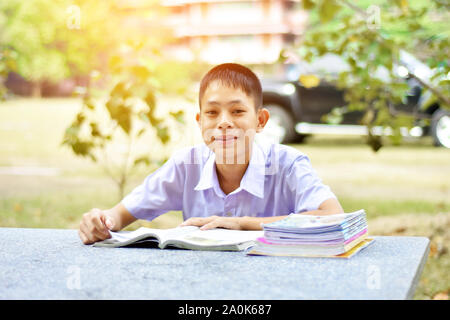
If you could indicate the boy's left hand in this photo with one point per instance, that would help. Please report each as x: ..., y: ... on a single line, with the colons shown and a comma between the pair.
x: 214, y: 222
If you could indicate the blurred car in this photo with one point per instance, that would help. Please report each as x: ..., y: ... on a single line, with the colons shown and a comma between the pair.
x: 297, y: 112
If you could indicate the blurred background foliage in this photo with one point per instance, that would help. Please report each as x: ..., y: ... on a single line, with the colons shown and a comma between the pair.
x: 45, y: 40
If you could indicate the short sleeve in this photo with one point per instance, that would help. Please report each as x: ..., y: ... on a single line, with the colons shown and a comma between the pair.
x: 305, y: 186
x: 160, y: 192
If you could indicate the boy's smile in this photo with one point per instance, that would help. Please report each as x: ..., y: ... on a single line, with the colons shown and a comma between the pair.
x: 229, y: 121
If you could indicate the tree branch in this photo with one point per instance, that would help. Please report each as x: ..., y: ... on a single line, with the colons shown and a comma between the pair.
x: 435, y: 91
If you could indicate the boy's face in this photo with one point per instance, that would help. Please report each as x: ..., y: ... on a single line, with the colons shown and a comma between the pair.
x: 228, y: 121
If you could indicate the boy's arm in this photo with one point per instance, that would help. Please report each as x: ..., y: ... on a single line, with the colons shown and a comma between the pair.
x: 329, y: 206
x: 121, y: 216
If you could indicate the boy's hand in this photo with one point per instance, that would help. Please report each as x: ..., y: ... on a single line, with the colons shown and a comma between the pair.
x: 95, y: 226
x: 214, y: 222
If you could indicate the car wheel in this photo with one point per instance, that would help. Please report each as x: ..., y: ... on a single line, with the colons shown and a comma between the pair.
x: 440, y: 128
x: 280, y: 127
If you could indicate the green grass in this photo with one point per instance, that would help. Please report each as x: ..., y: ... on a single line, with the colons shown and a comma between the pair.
x: 435, y: 277
x: 57, y: 209
x: 396, y: 186
x: 379, y: 207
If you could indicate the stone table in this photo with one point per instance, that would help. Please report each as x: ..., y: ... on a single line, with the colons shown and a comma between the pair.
x: 54, y: 264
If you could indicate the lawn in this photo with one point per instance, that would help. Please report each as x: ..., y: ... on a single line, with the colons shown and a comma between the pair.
x: 404, y: 190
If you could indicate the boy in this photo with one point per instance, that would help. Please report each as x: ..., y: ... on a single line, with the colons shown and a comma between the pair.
x: 230, y: 181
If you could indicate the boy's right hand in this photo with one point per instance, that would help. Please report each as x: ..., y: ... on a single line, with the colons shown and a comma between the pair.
x: 95, y: 226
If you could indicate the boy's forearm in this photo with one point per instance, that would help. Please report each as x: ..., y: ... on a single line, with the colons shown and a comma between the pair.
x: 254, y: 223
x: 122, y: 217
x: 320, y: 212
x: 331, y: 206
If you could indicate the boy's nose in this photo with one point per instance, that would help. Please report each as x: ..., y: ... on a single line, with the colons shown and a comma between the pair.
x: 224, y: 122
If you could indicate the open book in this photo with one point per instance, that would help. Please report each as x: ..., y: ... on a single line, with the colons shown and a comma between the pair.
x: 189, y: 237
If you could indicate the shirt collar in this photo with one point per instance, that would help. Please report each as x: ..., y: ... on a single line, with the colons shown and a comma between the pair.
x: 252, y: 181
x: 207, y: 174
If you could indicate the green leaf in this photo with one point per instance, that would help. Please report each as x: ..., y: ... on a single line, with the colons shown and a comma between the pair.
x: 308, y: 4
x: 140, y: 132
x: 95, y: 132
x: 143, y: 159
x: 120, y: 90
x: 335, y: 116
x: 72, y: 131
x: 402, y: 4
x: 80, y: 118
x: 140, y: 72
x: 163, y: 134
x: 414, y: 26
x: 82, y: 148
x: 153, y: 120
x: 111, y: 106
x: 120, y: 112
x: 328, y: 10
x: 342, y: 79
x: 179, y: 116
x: 88, y: 103
x: 151, y: 103
x: 150, y: 100
x: 383, y: 117
x: 93, y: 158
x: 124, y: 118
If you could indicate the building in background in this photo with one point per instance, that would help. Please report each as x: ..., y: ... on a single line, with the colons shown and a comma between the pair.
x: 242, y: 31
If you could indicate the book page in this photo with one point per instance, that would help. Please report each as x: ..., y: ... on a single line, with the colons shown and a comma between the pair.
x: 177, y: 233
x: 123, y: 236
x: 215, y: 237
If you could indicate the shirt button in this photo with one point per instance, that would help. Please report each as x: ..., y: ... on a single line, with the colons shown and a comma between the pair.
x: 228, y: 214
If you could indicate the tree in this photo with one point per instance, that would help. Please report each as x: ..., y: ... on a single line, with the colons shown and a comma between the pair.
x: 370, y: 37
x: 7, y: 63
x: 31, y: 28
x: 55, y: 40
x: 135, y: 72
x: 131, y: 107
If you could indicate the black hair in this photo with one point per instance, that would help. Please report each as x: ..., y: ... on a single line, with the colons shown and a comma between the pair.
x: 236, y: 76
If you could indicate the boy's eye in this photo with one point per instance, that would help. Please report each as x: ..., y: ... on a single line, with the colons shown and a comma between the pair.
x: 214, y: 112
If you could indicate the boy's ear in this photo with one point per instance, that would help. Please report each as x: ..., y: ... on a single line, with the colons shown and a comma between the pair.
x: 197, y: 118
x: 263, y: 116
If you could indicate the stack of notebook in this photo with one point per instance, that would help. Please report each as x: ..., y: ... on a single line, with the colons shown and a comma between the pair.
x: 338, y: 235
